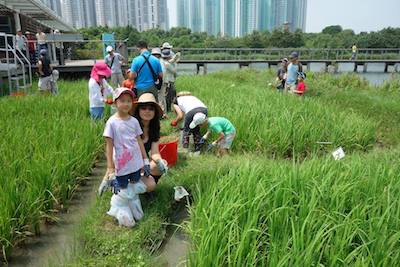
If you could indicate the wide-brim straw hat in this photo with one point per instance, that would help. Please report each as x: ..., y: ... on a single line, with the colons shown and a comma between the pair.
x: 147, y: 98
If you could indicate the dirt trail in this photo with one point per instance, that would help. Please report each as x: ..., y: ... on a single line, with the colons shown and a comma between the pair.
x: 56, y: 243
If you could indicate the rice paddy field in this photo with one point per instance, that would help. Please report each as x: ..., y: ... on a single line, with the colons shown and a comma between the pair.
x: 279, y: 198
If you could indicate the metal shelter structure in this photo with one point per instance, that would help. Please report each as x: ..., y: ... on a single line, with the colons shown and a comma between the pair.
x: 37, y: 11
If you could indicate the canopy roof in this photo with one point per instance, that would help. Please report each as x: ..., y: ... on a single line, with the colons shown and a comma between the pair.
x: 38, y: 11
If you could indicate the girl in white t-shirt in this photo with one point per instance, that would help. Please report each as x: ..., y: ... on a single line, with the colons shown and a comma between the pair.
x: 126, y: 157
x: 99, y: 89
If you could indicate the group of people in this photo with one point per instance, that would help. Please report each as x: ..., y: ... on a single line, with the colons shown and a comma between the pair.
x: 290, y: 76
x: 32, y: 43
x: 132, y: 133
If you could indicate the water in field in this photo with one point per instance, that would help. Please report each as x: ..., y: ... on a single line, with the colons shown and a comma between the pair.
x: 375, y: 74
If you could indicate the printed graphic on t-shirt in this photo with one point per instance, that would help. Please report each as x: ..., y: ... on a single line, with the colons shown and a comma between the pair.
x: 125, y: 157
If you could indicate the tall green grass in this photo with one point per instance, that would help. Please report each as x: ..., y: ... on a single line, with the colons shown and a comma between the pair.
x: 318, y: 213
x: 276, y: 124
x: 354, y: 95
x: 47, y: 142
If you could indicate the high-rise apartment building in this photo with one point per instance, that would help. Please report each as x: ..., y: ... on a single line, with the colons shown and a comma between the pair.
x: 240, y: 17
x: 149, y: 14
x: 141, y: 14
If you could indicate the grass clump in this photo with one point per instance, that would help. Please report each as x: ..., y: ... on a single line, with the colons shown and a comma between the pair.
x: 320, y: 212
x: 47, y: 143
x: 275, y: 124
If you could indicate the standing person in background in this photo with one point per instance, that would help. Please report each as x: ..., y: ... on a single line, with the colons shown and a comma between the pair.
x: 99, y: 89
x: 114, y: 61
x: 156, y: 51
x: 292, y: 70
x: 41, y: 40
x: 281, y: 75
x: 167, y: 92
x: 146, y: 71
x: 21, y: 42
x: 31, y: 47
x: 58, y: 46
x: 353, y: 52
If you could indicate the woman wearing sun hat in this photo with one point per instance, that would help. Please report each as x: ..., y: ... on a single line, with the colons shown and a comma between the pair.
x: 148, y: 112
x: 99, y: 89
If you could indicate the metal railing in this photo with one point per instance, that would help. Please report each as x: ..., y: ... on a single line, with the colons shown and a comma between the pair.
x: 279, y: 53
x: 14, y: 64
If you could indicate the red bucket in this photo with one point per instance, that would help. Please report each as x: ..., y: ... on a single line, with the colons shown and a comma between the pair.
x: 169, y: 152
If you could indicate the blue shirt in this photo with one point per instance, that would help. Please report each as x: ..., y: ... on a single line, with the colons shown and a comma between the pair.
x: 292, y: 73
x: 144, y: 78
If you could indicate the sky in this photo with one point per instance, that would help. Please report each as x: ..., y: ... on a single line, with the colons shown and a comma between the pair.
x: 359, y: 15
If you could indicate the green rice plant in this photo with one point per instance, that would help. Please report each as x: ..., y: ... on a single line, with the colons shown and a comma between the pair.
x: 354, y: 95
x: 48, y: 142
x: 278, y: 124
x: 318, y: 213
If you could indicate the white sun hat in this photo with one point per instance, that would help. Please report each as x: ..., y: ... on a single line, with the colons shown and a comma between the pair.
x: 198, y: 119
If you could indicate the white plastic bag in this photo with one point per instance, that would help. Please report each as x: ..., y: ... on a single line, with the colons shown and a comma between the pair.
x: 126, y: 206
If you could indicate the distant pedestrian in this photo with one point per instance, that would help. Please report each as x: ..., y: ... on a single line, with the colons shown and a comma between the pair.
x: 292, y: 72
x: 146, y: 71
x: 41, y: 40
x: 31, y: 47
x: 59, y: 46
x: 281, y: 75
x: 175, y: 57
x: 156, y: 51
x: 353, y: 52
x: 21, y: 42
x: 168, y: 91
x: 114, y: 61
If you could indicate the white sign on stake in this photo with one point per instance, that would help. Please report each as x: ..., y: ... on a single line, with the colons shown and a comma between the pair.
x: 338, y: 153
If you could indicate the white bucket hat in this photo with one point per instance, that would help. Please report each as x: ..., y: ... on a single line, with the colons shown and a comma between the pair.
x: 166, y: 45
x: 109, y: 49
x: 198, y: 119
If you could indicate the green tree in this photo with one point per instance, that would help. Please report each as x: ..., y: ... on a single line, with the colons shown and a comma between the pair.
x: 333, y: 29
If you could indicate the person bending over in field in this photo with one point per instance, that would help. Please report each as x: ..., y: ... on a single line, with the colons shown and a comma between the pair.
x: 126, y: 157
x: 219, y: 125
x: 186, y: 106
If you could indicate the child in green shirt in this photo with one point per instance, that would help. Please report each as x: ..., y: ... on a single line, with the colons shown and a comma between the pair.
x: 219, y: 125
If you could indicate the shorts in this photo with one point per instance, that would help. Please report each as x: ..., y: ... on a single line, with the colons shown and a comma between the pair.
x: 96, y: 113
x: 226, y: 142
x: 44, y: 83
x: 123, y: 180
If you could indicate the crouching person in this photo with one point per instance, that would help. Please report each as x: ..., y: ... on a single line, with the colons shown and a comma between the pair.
x: 126, y: 158
x: 221, y: 126
x: 148, y: 112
